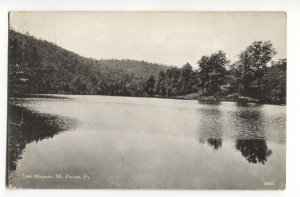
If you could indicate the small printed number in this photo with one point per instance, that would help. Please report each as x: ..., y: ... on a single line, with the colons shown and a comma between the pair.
x: 268, y: 183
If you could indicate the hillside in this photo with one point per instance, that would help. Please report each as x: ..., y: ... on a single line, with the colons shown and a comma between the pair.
x: 41, y: 67
x: 48, y: 68
x: 139, y: 68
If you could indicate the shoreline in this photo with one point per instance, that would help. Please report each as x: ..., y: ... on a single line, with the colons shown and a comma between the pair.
x: 193, y: 96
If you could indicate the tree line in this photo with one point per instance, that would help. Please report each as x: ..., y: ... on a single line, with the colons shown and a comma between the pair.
x: 250, y: 76
x: 37, y: 66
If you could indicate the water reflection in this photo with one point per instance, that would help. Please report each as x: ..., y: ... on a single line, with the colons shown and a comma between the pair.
x: 117, y: 154
x: 247, y: 132
x: 250, y: 138
x: 249, y: 123
x: 210, y: 102
x: 210, y: 126
x: 214, y: 143
x: 25, y: 126
x: 255, y: 151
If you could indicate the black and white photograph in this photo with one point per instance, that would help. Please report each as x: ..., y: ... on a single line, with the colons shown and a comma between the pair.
x: 179, y: 100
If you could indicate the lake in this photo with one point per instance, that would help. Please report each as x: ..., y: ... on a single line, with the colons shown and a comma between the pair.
x: 69, y: 141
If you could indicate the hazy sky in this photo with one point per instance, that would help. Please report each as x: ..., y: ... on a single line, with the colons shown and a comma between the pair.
x: 172, y: 38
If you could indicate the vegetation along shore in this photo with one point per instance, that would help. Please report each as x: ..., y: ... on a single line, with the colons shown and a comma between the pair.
x: 40, y: 67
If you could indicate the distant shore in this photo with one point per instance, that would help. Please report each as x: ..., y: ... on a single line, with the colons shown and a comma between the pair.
x: 191, y: 96
x: 215, y: 99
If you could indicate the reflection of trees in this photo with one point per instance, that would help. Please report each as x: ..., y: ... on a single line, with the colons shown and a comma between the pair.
x: 34, y: 127
x: 249, y: 124
x: 250, y: 136
x: 214, y: 143
x: 211, y: 127
x: 255, y: 151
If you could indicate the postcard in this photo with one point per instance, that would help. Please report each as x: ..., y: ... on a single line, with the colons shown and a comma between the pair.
x: 147, y: 100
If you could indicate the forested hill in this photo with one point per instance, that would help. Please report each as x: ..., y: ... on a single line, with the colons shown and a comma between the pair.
x: 49, y: 68
x: 140, y: 68
x: 37, y: 66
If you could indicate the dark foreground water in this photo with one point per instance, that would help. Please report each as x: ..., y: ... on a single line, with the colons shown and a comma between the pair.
x: 123, y: 142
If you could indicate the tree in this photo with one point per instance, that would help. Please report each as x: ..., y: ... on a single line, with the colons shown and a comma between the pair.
x: 149, y: 85
x: 160, y: 85
x: 171, y: 81
x: 252, y: 63
x: 212, y: 72
x: 185, y: 78
x: 18, y: 80
x: 274, y: 83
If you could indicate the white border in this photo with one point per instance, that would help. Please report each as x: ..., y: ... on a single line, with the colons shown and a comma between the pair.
x: 293, y: 121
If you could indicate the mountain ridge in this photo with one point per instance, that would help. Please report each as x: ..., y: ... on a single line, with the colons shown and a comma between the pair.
x: 53, y: 69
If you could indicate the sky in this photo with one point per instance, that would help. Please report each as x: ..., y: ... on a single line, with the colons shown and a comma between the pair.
x: 172, y: 38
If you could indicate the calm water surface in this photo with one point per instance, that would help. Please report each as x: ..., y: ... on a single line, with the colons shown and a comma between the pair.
x: 125, y: 142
